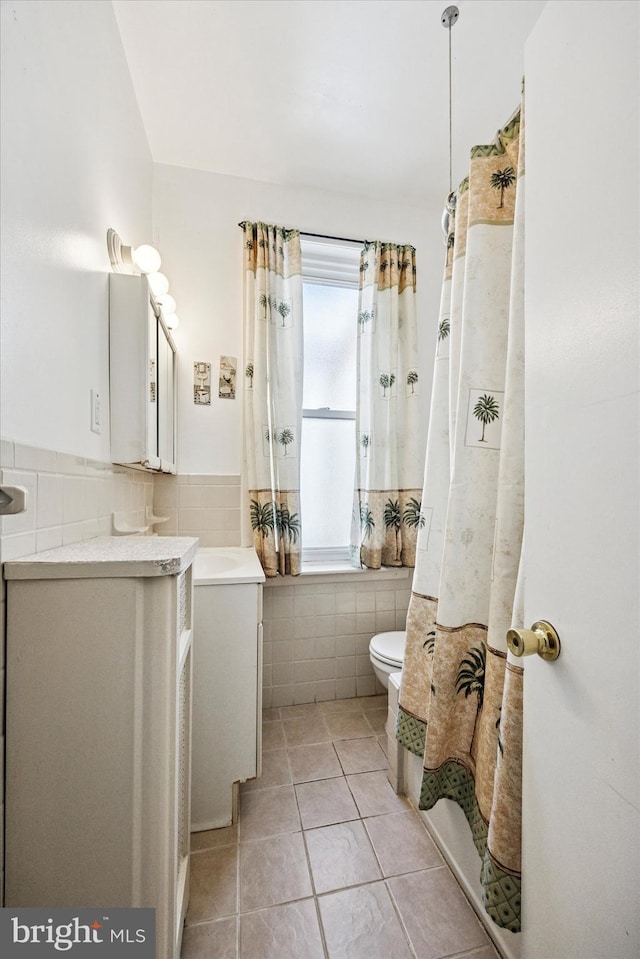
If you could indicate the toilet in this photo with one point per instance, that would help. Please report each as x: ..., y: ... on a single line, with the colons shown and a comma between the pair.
x: 386, y: 652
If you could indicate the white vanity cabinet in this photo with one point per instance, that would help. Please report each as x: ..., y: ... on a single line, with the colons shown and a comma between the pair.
x: 227, y: 682
x: 142, y: 378
x: 98, y: 726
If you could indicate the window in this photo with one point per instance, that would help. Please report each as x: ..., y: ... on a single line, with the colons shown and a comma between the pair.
x: 327, y: 468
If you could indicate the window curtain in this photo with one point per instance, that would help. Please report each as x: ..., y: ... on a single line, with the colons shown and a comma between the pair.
x: 273, y: 366
x: 390, y: 446
x: 461, y: 694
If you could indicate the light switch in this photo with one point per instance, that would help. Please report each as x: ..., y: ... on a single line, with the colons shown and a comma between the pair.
x: 96, y: 412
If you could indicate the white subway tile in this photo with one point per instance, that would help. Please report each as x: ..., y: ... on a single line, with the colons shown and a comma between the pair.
x: 304, y: 693
x: 325, y: 647
x: 282, y: 652
x: 305, y: 672
x: 304, y: 650
x: 282, y: 673
x: 17, y: 545
x: 324, y: 669
x: 49, y: 538
x: 281, y: 696
x: 365, y: 601
x: 346, y: 687
x: 366, y: 685
x: 385, y: 620
x: 345, y: 666
x: 325, y: 690
x: 72, y: 533
x: 305, y: 627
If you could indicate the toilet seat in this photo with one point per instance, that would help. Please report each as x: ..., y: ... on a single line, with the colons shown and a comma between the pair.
x: 389, y: 647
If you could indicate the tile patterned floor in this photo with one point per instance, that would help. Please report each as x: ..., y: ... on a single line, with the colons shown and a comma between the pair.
x: 326, y: 861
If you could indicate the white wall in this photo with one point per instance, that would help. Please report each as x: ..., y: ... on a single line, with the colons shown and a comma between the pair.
x: 196, y: 218
x: 75, y: 161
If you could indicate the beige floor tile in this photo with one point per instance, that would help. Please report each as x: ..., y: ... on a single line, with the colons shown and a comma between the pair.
x: 488, y: 952
x: 401, y: 843
x: 273, y: 871
x: 340, y: 706
x: 448, y: 926
x: 374, y: 795
x: 275, y: 771
x: 209, y: 838
x: 325, y: 802
x: 268, y: 812
x: 272, y: 735
x: 281, y: 932
x: 348, y: 726
x: 340, y: 856
x: 361, y: 923
x: 377, y: 719
x: 209, y: 939
x: 303, y: 711
x: 317, y: 761
x: 360, y: 755
x: 270, y: 715
x: 367, y: 703
x: 213, y: 884
x: 302, y: 732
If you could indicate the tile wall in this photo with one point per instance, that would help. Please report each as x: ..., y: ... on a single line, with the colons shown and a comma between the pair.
x: 317, y: 632
x: 70, y: 499
x: 199, y: 505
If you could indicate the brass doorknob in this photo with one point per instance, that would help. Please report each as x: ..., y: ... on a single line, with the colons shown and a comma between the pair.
x: 541, y: 639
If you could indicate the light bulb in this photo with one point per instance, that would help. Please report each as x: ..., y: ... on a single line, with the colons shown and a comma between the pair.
x: 171, y: 321
x: 146, y: 258
x: 158, y: 284
x: 167, y: 303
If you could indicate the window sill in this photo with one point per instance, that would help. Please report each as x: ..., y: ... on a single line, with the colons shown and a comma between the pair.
x: 337, y: 572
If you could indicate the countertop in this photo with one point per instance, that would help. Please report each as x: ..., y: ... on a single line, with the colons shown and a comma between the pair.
x: 108, y: 556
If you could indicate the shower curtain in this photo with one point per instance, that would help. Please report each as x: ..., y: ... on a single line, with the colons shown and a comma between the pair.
x: 273, y: 351
x: 461, y: 696
x: 389, y: 415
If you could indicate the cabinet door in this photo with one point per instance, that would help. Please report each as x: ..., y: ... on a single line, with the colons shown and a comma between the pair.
x: 151, y: 392
x: 166, y: 400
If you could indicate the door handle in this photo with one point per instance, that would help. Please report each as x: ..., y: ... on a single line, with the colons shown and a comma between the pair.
x: 541, y: 639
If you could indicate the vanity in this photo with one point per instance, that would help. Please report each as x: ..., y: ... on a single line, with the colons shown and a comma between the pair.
x: 227, y: 677
x: 99, y: 667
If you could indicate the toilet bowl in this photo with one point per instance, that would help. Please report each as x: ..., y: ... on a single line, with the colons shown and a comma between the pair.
x: 386, y: 652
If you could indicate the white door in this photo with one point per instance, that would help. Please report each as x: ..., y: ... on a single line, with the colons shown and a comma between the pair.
x: 581, y: 822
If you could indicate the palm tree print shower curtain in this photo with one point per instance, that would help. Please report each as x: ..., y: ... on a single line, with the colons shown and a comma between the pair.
x: 390, y: 446
x: 273, y: 350
x: 461, y: 696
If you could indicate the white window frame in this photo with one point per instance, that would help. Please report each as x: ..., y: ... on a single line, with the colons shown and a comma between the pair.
x: 328, y: 262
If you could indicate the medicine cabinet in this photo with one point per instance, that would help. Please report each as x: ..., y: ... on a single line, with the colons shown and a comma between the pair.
x: 142, y: 378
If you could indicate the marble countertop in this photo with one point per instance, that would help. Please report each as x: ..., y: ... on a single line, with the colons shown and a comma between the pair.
x: 107, y: 556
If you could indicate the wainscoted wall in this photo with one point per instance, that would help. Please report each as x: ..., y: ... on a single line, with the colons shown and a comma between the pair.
x: 199, y: 505
x: 317, y: 630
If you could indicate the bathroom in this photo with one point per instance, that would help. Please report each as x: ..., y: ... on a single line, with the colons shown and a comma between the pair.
x: 76, y: 161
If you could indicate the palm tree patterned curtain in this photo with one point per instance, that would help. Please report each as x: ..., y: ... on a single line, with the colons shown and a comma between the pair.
x: 461, y: 696
x: 390, y: 448
x: 273, y: 351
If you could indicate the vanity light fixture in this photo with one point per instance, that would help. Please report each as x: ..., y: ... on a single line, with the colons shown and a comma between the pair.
x: 144, y: 259
x: 125, y: 259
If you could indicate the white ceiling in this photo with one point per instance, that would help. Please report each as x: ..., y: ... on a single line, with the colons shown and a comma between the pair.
x: 349, y: 96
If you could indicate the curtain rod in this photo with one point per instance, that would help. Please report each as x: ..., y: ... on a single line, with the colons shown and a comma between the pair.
x: 340, y: 239
x: 325, y: 236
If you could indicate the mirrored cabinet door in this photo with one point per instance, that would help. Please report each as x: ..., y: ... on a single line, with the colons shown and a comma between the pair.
x: 142, y: 360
